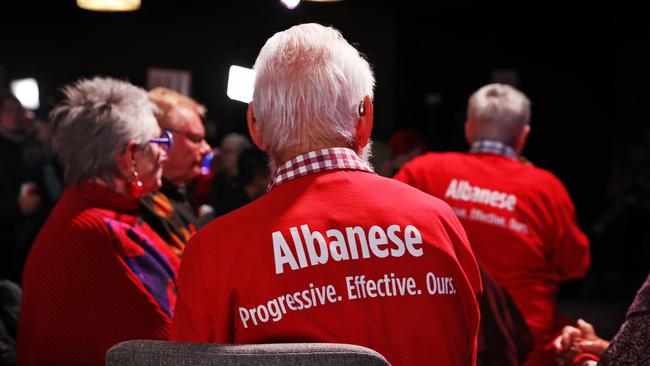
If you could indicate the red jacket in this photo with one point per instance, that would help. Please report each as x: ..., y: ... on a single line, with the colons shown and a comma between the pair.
x: 96, y: 275
x: 520, y: 222
x: 286, y: 269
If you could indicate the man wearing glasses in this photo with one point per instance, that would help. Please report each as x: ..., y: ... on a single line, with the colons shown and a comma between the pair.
x: 168, y: 211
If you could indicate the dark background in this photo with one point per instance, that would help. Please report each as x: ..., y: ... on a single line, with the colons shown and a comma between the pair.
x: 585, y: 70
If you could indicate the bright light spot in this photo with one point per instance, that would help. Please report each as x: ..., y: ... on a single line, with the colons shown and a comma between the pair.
x: 290, y: 3
x: 26, y: 90
x: 109, y: 5
x: 240, y: 84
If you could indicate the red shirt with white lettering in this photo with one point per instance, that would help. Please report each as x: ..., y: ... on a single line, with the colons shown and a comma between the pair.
x: 521, y: 224
x: 283, y: 269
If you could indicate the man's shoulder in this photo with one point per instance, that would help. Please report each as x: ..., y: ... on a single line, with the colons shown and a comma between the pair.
x: 243, y: 219
x: 541, y: 177
x: 437, y: 163
x: 543, y: 173
x: 365, y: 188
x: 401, y: 197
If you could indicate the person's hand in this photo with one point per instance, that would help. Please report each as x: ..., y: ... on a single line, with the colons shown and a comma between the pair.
x: 565, y: 345
x: 29, y: 203
x: 590, y: 342
x: 574, y: 341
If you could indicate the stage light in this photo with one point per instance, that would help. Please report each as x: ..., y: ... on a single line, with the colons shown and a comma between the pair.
x: 26, y: 90
x: 290, y: 3
x: 241, y: 81
x: 109, y: 5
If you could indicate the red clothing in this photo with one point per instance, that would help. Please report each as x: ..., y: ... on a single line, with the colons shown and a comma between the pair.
x: 521, y: 224
x: 96, y: 275
x: 244, y: 278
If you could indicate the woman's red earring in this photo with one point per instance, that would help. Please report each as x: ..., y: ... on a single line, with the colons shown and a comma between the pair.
x: 135, y: 185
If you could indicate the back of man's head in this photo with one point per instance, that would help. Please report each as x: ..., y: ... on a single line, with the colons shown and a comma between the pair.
x: 497, y: 112
x: 308, y: 87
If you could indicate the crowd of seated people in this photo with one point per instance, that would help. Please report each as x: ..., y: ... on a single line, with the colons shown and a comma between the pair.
x: 448, y: 258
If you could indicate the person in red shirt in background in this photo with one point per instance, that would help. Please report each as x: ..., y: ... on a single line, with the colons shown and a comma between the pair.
x: 333, y: 252
x: 519, y: 218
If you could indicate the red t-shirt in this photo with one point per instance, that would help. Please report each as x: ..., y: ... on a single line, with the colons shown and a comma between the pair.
x: 96, y: 275
x: 520, y: 222
x: 337, y: 256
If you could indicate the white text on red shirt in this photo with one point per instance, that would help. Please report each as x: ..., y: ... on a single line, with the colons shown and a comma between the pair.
x: 462, y: 190
x: 375, y: 242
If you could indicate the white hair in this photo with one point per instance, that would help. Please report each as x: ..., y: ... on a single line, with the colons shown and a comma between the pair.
x: 95, y: 122
x: 499, y: 112
x: 308, y: 86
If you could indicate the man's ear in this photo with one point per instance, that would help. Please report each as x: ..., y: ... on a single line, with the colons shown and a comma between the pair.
x: 521, y: 140
x: 365, y: 122
x: 468, y: 132
x: 253, y: 130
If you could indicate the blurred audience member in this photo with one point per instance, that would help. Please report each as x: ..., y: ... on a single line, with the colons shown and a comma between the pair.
x: 97, y: 274
x: 519, y: 218
x: 404, y: 146
x: 247, y: 278
x: 226, y: 184
x: 9, y: 313
x: 580, y: 346
x: 20, y: 201
x: 231, y: 147
x: 52, y: 169
x: 254, y: 173
x: 253, y: 180
x: 40, y: 160
x: 168, y: 211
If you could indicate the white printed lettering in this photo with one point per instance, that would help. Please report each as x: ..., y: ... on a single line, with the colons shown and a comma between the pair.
x: 412, y: 236
x: 310, y: 237
x: 282, y: 253
x: 462, y: 190
x: 338, y: 248
x: 377, y: 242
x: 377, y: 237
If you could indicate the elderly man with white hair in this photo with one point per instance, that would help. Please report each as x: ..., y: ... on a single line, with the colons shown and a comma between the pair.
x: 333, y: 252
x: 519, y: 218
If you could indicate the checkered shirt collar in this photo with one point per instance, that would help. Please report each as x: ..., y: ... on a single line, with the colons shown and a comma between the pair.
x: 493, y: 147
x: 318, y: 161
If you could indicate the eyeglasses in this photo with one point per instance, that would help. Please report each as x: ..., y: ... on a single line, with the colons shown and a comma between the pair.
x: 194, y: 137
x: 165, y: 141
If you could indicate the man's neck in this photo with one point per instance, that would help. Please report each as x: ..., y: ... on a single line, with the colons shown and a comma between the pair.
x: 281, y: 157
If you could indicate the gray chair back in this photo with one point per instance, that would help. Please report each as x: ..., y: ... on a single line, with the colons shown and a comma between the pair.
x: 163, y: 353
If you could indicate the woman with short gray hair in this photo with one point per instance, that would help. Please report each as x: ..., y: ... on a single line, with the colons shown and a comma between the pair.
x: 97, y: 274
